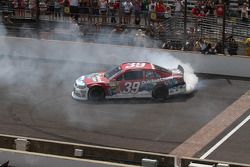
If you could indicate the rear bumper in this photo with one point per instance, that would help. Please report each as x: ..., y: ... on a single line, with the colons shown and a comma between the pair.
x: 180, y: 89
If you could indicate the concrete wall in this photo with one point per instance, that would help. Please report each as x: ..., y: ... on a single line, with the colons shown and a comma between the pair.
x: 115, y: 54
x: 27, y: 159
x: 216, y: 64
x: 73, y: 151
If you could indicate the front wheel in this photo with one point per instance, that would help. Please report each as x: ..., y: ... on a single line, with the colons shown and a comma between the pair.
x: 96, y: 94
x: 160, y: 92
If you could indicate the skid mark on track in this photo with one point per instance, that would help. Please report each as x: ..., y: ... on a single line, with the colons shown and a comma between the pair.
x: 213, y: 128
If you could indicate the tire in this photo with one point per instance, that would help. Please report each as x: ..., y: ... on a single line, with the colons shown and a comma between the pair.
x: 160, y: 92
x: 96, y: 94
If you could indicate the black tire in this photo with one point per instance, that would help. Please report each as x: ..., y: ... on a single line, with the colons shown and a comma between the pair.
x: 96, y: 94
x: 160, y: 92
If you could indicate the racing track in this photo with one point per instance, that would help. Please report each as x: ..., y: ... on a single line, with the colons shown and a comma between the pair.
x: 35, y: 101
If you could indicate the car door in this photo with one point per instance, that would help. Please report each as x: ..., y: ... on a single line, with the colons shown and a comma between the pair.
x: 131, y: 82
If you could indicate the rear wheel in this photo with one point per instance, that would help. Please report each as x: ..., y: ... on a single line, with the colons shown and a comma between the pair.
x: 96, y: 94
x: 160, y: 92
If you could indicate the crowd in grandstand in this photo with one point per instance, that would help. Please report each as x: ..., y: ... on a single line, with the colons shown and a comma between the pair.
x: 149, y: 10
x: 135, y: 12
x: 216, y: 8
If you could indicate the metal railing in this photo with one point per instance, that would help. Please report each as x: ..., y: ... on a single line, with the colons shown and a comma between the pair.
x: 209, y: 29
x: 169, y: 29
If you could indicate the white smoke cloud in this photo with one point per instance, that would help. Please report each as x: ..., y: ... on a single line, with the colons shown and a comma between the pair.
x: 38, y: 76
x: 169, y: 61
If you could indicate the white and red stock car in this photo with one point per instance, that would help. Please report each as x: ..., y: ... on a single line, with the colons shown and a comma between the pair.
x: 129, y: 80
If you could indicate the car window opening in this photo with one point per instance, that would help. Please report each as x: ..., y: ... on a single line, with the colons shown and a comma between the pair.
x: 113, y: 72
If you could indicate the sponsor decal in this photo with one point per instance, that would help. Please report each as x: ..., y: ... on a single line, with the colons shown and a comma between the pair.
x: 145, y: 86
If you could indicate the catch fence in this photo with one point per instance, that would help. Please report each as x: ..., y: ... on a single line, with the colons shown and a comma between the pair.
x: 169, y: 29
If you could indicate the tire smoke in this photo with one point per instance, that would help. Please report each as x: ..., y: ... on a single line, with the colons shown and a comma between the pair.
x: 49, y: 64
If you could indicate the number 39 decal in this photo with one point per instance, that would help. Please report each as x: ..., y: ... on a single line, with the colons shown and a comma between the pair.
x: 131, y: 87
x: 133, y: 65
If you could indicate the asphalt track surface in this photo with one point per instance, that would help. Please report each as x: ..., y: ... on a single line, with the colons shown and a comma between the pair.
x: 236, y: 148
x: 35, y: 101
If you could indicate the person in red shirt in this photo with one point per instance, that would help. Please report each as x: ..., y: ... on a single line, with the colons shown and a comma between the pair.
x: 195, y: 11
x: 160, y: 9
x: 219, y: 10
x: 113, y: 9
x: 19, y: 6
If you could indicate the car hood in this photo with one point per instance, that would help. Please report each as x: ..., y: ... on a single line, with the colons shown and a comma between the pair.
x: 92, y: 79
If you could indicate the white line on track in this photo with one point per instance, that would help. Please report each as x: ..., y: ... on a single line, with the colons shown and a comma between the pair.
x: 212, y: 149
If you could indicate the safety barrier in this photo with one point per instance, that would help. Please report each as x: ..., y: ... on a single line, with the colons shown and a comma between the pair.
x: 17, y: 147
x: 194, y: 162
x: 210, y: 64
x: 216, y: 64
x: 83, y: 151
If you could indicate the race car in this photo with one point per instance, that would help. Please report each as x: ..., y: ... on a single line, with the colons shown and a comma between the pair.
x: 131, y: 80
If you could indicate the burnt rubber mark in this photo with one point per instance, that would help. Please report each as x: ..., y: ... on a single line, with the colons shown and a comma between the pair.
x: 213, y: 128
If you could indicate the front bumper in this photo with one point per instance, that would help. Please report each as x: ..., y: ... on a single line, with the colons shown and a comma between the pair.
x: 80, y: 94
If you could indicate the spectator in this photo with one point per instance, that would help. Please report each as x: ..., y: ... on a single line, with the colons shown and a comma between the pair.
x: 211, y: 49
x: 160, y: 9
x: 151, y: 30
x: 178, y: 7
x: 202, y: 9
x: 232, y: 46
x: 103, y: 7
x: 119, y: 30
x: 151, y: 10
x: 74, y: 11
x: 66, y: 8
x: 203, y: 46
x: 58, y: 8
x: 113, y: 8
x: 127, y: 9
x: 19, y: 6
x: 244, y: 12
x: 219, y: 48
x: 137, y: 7
x: 247, y: 42
x: 144, y: 9
x: 51, y: 8
x: 6, y: 14
x: 210, y: 8
x: 95, y: 11
x: 161, y: 30
x: 32, y: 7
x: 195, y: 11
x: 168, y: 12
x: 84, y: 11
x: 219, y: 10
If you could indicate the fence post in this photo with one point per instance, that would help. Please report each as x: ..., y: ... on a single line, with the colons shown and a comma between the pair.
x: 185, y: 23
x: 224, y: 27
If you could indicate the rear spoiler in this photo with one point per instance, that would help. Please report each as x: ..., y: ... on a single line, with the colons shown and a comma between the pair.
x: 180, y: 68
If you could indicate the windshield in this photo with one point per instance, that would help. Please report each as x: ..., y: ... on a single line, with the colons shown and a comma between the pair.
x: 113, y: 72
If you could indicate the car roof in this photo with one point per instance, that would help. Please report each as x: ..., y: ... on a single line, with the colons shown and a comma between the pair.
x: 137, y: 65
